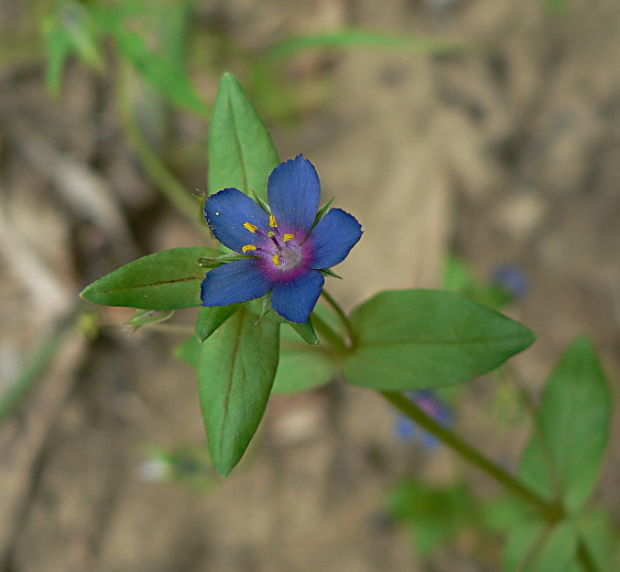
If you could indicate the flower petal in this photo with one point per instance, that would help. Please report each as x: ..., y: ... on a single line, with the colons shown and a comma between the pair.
x: 226, y: 211
x: 234, y: 282
x: 294, y: 193
x: 295, y: 300
x: 333, y: 237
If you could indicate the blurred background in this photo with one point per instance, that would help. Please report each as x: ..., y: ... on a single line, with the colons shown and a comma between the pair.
x: 478, y: 142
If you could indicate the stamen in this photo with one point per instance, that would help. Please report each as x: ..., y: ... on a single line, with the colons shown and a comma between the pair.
x: 276, y: 259
x: 248, y: 248
x: 271, y: 234
x: 249, y: 226
x: 273, y: 223
x: 288, y: 236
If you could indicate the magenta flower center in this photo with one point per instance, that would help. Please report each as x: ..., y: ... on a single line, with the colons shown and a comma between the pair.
x: 284, y: 253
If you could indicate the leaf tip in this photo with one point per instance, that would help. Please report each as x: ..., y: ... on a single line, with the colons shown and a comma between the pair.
x: 87, y: 294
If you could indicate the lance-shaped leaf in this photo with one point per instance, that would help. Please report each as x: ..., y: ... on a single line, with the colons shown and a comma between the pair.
x: 210, y: 319
x: 167, y: 280
x: 533, y: 546
x: 564, y: 457
x: 302, y: 366
x: 416, y: 339
x: 236, y: 370
x: 241, y: 152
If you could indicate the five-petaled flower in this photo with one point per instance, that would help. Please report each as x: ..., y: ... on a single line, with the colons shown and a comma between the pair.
x: 286, y: 250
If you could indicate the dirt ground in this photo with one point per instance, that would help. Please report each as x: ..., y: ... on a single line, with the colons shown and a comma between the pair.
x: 506, y: 151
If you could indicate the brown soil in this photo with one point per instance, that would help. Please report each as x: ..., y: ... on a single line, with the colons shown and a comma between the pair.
x: 507, y: 151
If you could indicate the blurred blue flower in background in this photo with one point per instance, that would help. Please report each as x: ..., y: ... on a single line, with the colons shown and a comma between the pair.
x: 512, y: 279
x: 408, y: 430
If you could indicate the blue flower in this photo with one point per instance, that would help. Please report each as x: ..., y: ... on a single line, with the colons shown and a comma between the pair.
x: 286, y: 248
x: 427, y: 399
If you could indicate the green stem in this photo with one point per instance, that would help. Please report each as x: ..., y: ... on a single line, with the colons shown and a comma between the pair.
x: 585, y: 557
x: 163, y: 179
x: 330, y: 335
x: 551, y: 511
x: 343, y: 317
x: 36, y: 365
x: 417, y: 414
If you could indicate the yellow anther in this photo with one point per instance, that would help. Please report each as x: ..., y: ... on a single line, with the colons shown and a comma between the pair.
x: 271, y: 234
x: 273, y: 223
x: 248, y: 248
x: 251, y: 227
x: 276, y: 259
x: 288, y: 237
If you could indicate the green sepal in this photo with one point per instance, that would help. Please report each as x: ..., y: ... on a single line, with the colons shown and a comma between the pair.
x: 214, y: 262
x: 330, y: 272
x: 263, y: 204
x: 305, y: 331
x: 211, y: 318
x: 166, y: 280
x: 148, y: 317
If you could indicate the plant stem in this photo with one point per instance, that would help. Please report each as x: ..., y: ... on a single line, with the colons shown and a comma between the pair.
x: 163, y: 179
x: 36, y: 365
x: 417, y: 414
x: 343, y: 317
x: 332, y: 337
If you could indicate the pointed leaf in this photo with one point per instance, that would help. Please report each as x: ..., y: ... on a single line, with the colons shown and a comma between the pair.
x: 305, y: 331
x: 210, y: 319
x: 533, y: 547
x: 416, y: 339
x: 235, y: 374
x: 241, y: 152
x: 167, y: 280
x: 189, y: 351
x: 564, y: 457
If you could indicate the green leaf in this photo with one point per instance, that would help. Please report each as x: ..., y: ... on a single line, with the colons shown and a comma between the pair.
x: 304, y: 367
x: 596, y: 529
x: 301, y: 366
x: 533, y: 547
x: 357, y: 38
x: 210, y: 319
x: 501, y: 514
x: 171, y: 81
x: 435, y: 514
x: 189, y: 351
x: 70, y: 30
x: 236, y: 370
x: 167, y: 280
x: 417, y: 339
x: 458, y: 277
x: 305, y: 331
x: 241, y: 152
x: 564, y: 457
x: 58, y: 50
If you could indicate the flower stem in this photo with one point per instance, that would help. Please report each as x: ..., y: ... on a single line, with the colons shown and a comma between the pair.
x: 551, y: 511
x: 159, y: 174
x: 332, y: 337
x: 343, y: 318
x: 417, y: 414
